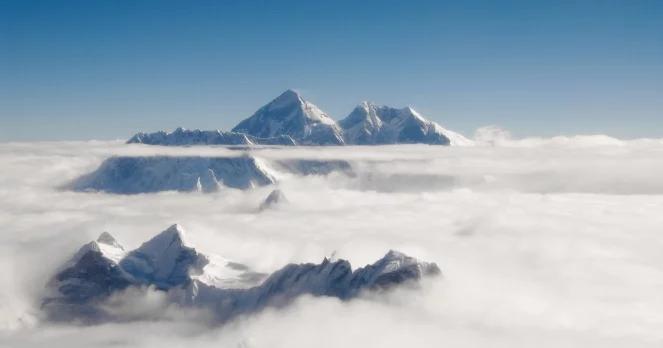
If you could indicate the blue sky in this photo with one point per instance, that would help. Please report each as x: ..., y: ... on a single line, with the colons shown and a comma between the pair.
x: 106, y: 69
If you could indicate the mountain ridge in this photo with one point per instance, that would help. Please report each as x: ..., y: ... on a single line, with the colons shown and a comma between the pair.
x: 289, y: 119
x: 206, y: 174
x: 167, y: 263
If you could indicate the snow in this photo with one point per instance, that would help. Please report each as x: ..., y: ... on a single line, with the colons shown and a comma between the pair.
x: 455, y: 139
x: 183, y: 137
x: 371, y: 124
x: 289, y: 119
x: 213, y: 282
x: 144, y: 174
x: 225, y: 274
x: 147, y: 174
x: 171, y: 239
x: 109, y: 247
x: 105, y: 244
x: 290, y: 115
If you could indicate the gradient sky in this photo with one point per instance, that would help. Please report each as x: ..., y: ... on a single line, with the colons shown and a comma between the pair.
x: 106, y: 69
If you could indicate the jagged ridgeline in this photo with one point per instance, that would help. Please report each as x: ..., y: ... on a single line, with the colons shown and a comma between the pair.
x: 145, y: 174
x: 291, y: 120
x: 168, y: 263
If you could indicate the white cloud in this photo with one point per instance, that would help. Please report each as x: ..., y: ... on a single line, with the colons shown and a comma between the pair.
x: 541, y: 242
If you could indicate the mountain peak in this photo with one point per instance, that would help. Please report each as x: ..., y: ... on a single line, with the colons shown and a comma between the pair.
x: 166, y: 260
x: 108, y: 239
x: 290, y: 93
x: 106, y: 245
x: 289, y: 97
x: 365, y: 104
x: 290, y: 114
x: 226, y: 288
x: 171, y: 238
x: 174, y: 233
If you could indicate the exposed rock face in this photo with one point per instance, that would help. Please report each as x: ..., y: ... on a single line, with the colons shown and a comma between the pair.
x: 167, y: 263
x: 289, y: 114
x: 89, y: 277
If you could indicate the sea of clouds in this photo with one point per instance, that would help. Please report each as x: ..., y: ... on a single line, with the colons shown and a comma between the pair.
x: 542, y: 242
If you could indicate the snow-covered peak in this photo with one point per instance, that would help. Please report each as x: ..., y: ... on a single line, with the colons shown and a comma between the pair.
x: 289, y: 96
x: 370, y: 124
x: 289, y: 119
x: 172, y: 237
x: 108, y: 239
x: 394, y: 260
x: 165, y: 260
x: 105, y: 244
x: 109, y: 247
x: 393, y: 268
x: 212, y: 282
x: 363, y: 124
x: 289, y: 114
x: 367, y: 105
x: 455, y: 139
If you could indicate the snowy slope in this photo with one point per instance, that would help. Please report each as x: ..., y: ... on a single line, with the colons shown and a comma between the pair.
x: 132, y: 175
x: 291, y: 120
x: 289, y: 114
x: 168, y: 263
x: 181, y: 136
x: 165, y: 260
x: 102, y: 267
x: 370, y: 124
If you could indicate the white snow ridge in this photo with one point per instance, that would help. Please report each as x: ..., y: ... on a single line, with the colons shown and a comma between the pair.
x: 291, y: 120
x: 169, y: 264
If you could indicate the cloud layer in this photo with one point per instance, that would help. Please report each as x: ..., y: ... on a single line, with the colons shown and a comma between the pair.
x: 542, y: 242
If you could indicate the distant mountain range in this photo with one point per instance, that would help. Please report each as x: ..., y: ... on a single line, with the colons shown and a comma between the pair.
x: 145, y: 174
x: 291, y: 120
x: 80, y: 289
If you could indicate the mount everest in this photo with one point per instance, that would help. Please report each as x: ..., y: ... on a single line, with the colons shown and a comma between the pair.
x: 291, y: 120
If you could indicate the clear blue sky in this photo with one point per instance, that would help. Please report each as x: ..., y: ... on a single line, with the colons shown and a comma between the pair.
x: 106, y: 69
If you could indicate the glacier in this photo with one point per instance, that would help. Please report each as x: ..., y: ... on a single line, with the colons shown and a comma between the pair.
x: 168, y: 263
